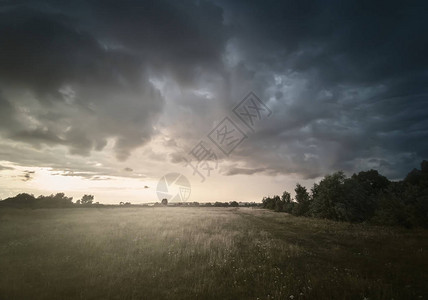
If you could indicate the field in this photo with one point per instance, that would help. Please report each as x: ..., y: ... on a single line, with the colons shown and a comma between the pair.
x: 204, y: 253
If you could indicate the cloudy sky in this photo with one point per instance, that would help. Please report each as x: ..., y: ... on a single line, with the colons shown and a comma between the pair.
x: 105, y: 97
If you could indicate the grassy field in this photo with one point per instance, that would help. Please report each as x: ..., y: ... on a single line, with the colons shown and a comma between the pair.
x: 204, y: 253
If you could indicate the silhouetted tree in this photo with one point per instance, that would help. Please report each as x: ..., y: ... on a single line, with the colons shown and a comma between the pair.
x: 278, y: 203
x: 366, y: 196
x: 372, y: 181
x: 301, y: 208
x: 267, y: 202
x: 29, y: 201
x: 87, y: 199
x: 57, y: 200
x: 22, y: 200
x: 329, y: 199
x: 392, y: 207
x: 286, y: 202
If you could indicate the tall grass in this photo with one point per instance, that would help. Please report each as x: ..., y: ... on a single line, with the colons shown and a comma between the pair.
x: 204, y: 253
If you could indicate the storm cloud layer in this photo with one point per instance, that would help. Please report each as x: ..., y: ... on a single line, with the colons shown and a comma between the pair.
x: 347, y: 82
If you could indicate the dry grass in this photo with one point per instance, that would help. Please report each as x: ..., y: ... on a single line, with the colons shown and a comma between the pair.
x: 204, y: 253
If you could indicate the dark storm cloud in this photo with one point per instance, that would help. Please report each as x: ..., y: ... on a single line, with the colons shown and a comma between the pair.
x: 72, y: 77
x: 236, y: 170
x: 88, y: 67
x: 7, y: 112
x: 346, y: 80
x: 177, y: 36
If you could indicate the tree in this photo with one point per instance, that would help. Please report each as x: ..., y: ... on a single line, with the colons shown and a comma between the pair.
x: 415, y: 195
x: 268, y: 203
x: 366, y: 196
x: 58, y: 200
x: 329, y: 197
x: 286, y: 202
x: 62, y: 200
x: 357, y: 204
x: 164, y: 202
x: 20, y: 201
x: 362, y: 192
x: 278, y: 203
x: 392, y: 208
x: 372, y: 180
x: 87, y: 199
x: 234, y: 204
x: 303, y: 201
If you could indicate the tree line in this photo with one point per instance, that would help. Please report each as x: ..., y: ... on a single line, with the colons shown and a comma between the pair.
x: 58, y: 200
x: 364, y: 197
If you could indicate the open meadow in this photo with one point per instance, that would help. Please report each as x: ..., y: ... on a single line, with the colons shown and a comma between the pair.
x: 204, y: 253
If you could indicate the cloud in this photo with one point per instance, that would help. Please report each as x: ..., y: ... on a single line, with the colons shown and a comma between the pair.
x: 5, y: 168
x: 346, y: 83
x: 28, y: 175
x: 99, y: 178
x: 87, y: 175
x: 243, y: 171
x: 91, y: 83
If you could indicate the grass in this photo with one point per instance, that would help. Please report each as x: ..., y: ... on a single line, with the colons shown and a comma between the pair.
x: 204, y: 253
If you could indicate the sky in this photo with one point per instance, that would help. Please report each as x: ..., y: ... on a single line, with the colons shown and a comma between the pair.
x: 243, y: 98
